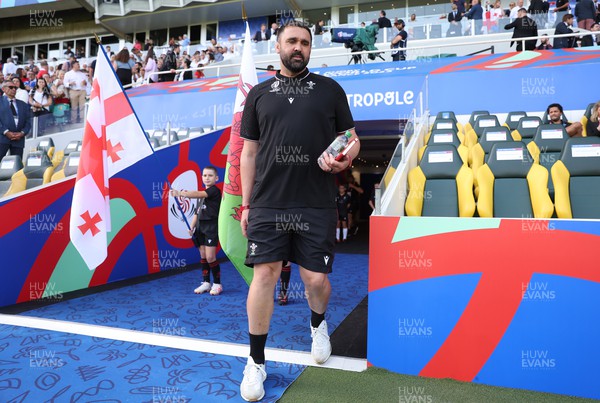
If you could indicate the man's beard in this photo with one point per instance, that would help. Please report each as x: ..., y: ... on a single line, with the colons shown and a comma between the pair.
x: 294, y: 66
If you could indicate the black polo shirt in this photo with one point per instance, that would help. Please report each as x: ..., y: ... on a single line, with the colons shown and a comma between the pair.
x: 294, y: 120
x: 209, y: 210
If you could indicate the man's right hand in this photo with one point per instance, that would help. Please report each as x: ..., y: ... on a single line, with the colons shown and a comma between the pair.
x: 244, y: 222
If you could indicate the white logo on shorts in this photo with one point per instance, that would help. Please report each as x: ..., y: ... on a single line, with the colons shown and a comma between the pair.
x: 253, y: 247
x: 209, y: 240
x: 291, y: 100
x: 326, y: 259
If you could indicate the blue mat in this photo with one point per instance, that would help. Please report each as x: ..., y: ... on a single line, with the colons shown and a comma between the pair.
x: 41, y: 366
x: 168, y: 305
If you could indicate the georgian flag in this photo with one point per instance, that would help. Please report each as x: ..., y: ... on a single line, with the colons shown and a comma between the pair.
x: 112, y: 140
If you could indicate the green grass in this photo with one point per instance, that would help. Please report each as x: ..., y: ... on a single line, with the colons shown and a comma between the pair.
x: 378, y: 385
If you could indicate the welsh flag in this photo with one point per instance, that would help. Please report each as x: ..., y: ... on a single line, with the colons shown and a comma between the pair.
x: 112, y: 140
x: 230, y: 233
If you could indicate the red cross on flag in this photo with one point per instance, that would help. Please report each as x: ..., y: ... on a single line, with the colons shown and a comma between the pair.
x: 112, y: 140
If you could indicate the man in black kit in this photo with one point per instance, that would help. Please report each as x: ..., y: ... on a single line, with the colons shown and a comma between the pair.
x: 288, y: 199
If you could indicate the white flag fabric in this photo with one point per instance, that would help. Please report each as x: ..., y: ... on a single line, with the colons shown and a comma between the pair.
x: 112, y: 140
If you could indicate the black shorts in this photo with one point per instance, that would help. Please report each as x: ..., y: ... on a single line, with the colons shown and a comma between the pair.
x: 305, y: 236
x: 207, y: 234
x: 342, y: 217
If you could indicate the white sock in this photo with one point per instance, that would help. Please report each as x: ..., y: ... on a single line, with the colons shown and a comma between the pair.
x: 345, y: 233
x: 338, y: 234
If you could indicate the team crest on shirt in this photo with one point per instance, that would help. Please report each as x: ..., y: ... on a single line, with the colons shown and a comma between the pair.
x: 253, y: 247
x: 275, y: 86
x: 311, y: 84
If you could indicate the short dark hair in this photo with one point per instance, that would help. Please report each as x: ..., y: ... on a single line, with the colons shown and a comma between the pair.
x: 523, y: 9
x: 294, y: 23
x: 212, y: 168
x: 567, y: 17
x: 554, y: 105
x: 383, y: 12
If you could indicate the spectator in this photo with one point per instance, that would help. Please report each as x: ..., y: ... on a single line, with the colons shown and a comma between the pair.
x: 399, y: 41
x: 454, y: 18
x: 137, y: 55
x: 585, y: 12
x: 555, y: 112
x: 170, y: 64
x: 544, y: 43
x: 44, y: 69
x: 109, y: 52
x: 185, y: 41
x: 460, y: 6
x: 58, y: 89
x: 29, y: 81
x: 148, y: 44
x: 187, y: 75
x: 21, y: 92
x: 274, y: 30
x: 69, y: 53
x: 495, y: 14
x: 123, y: 65
x: 523, y: 27
x: 137, y: 45
x: 15, y: 122
x: 262, y: 35
x: 561, y: 9
x: 383, y: 21
x: 40, y: 100
x: 270, y: 67
x: 476, y: 14
x: 592, y: 39
x: 77, y: 82
x: 413, y: 17
x: 562, y: 28
x: 199, y: 73
x: 150, y: 66
x: 593, y: 125
x: 318, y: 28
x: 538, y: 10
x: 219, y: 54
x: 514, y: 10
x: 9, y: 67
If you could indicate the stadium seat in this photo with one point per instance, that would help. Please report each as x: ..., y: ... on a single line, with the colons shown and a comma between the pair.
x: 72, y: 147
x: 158, y: 134
x: 586, y: 117
x: 183, y: 134
x: 69, y: 168
x: 163, y: 139
x: 46, y: 144
x: 481, y: 150
x: 526, y: 129
x: 61, y: 113
x: 154, y: 142
x: 207, y: 129
x: 512, y: 185
x: 444, y: 124
x: 471, y: 123
x: 196, y: 131
x: 450, y: 115
x: 441, y: 186
x: 547, y: 147
x: 449, y: 136
x: 512, y: 119
x: 9, y: 165
x: 576, y: 179
x: 481, y: 122
x: 38, y: 170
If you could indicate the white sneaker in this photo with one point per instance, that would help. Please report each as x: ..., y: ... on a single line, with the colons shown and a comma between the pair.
x: 251, y: 388
x: 204, y: 287
x: 321, y: 347
x: 216, y: 289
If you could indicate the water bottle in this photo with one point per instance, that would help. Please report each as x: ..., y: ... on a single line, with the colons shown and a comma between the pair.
x: 338, y: 145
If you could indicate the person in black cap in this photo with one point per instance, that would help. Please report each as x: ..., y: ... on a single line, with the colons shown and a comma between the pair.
x: 399, y: 41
